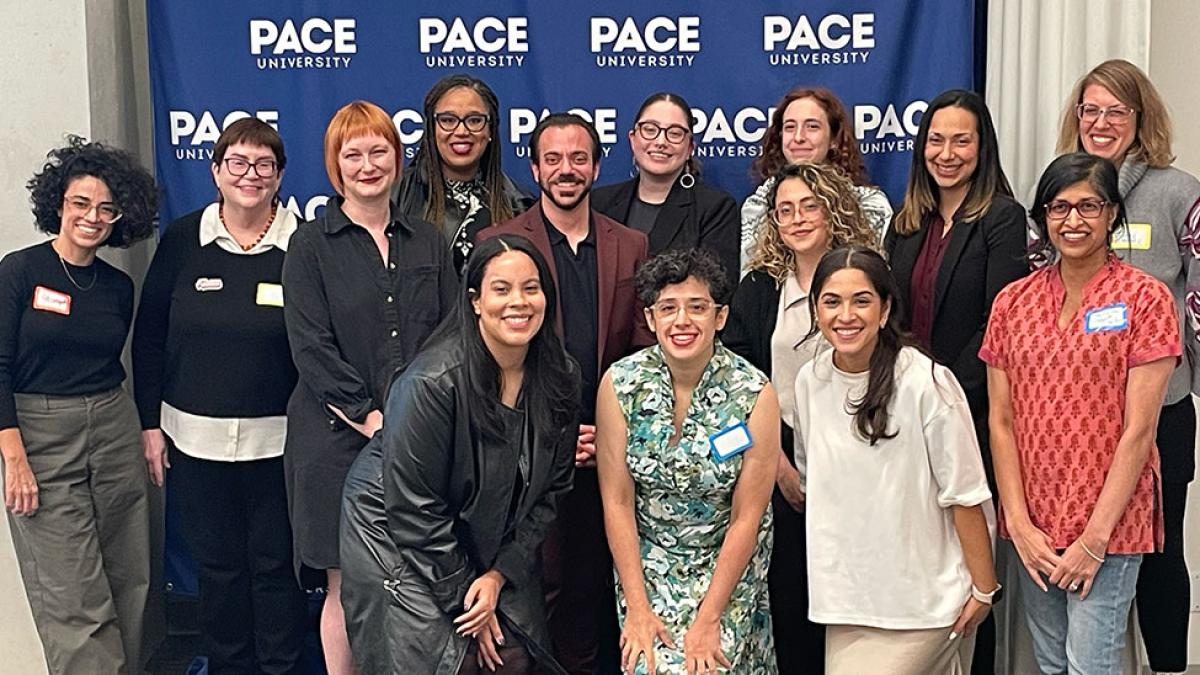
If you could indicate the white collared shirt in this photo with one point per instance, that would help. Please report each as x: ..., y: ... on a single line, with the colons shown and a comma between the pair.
x: 231, y: 439
x: 789, y: 350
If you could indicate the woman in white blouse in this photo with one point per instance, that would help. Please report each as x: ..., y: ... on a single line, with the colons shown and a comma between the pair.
x: 900, y: 559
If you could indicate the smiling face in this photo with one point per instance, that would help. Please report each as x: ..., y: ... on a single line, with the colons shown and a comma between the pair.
x: 1100, y: 136
x: 806, y: 132
x: 807, y: 232
x: 461, y: 149
x: 952, y: 147
x: 565, y: 168
x: 850, y: 314
x: 685, y: 319
x: 81, y: 229
x: 1075, y: 237
x: 368, y: 168
x: 661, y: 157
x: 510, y: 302
x: 251, y: 190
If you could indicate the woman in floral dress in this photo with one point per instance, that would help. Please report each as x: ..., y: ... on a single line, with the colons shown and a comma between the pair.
x: 687, y: 435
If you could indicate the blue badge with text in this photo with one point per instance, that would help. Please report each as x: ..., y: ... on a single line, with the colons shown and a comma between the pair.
x: 729, y: 442
x: 1107, y: 318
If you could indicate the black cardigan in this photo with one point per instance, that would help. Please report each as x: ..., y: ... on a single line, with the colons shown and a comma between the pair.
x: 702, y: 215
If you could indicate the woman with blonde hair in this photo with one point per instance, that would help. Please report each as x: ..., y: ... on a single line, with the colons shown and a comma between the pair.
x: 365, y: 285
x: 813, y: 210
x: 1115, y: 112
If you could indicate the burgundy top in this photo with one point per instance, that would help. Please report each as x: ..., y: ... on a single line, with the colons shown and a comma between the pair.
x: 924, y: 279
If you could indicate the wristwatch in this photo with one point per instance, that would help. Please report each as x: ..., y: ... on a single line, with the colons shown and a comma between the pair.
x: 988, y: 598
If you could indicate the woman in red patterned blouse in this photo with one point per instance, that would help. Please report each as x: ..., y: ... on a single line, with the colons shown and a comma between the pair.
x: 1078, y: 357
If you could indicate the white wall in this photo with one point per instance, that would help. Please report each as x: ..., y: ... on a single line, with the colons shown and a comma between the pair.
x: 1174, y: 52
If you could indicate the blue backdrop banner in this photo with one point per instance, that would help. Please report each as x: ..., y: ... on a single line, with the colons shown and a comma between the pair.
x: 293, y: 64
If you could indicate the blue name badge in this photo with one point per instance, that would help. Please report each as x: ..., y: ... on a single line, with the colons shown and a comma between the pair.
x: 1107, y: 318
x: 729, y: 442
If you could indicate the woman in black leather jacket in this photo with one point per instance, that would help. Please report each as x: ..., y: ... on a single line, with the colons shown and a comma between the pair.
x: 447, y: 506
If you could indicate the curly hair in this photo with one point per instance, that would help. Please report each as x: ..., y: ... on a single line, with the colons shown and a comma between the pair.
x: 848, y: 226
x: 843, y: 147
x: 1131, y: 86
x: 132, y: 188
x: 675, y: 266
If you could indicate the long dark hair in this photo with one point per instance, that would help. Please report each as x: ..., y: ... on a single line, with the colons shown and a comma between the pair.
x: 550, y: 389
x: 1063, y: 172
x: 921, y: 195
x: 428, y: 161
x: 871, y: 411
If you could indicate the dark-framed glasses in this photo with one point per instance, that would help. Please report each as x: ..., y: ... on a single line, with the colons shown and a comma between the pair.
x: 448, y: 121
x: 1115, y: 114
x: 650, y: 130
x: 1088, y: 209
x: 240, y: 166
x: 106, y: 212
x: 669, y: 309
x: 786, y: 214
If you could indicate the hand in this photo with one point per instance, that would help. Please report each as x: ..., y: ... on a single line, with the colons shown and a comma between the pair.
x: 1036, y: 550
x: 1076, y: 569
x: 973, y: 613
x: 154, y: 447
x: 788, y: 481
x: 488, y: 642
x: 585, y: 446
x: 702, y: 648
x: 20, y: 486
x: 372, y: 423
x: 480, y: 603
x: 637, y: 638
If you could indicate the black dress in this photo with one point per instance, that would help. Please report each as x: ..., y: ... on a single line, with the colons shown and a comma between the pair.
x: 353, y: 322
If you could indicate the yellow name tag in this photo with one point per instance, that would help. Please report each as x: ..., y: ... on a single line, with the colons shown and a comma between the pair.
x: 270, y: 295
x: 1134, y: 236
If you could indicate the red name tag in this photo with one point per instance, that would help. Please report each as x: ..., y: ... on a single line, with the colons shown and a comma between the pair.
x: 50, y: 300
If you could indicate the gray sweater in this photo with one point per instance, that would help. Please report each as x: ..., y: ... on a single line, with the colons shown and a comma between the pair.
x: 1163, y: 238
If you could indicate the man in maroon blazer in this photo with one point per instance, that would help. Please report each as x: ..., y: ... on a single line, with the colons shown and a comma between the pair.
x: 593, y: 259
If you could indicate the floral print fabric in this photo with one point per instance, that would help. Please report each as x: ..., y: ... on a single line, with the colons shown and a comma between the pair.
x: 684, y: 500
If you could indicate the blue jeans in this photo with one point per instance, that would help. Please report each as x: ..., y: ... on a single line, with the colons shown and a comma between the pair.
x: 1082, y: 637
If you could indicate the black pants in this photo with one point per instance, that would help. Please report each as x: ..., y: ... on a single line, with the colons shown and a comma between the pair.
x: 235, y: 520
x: 1164, y: 586
x: 799, y: 643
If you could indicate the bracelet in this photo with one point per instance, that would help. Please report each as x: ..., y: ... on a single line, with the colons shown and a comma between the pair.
x: 1088, y: 551
x: 985, y: 598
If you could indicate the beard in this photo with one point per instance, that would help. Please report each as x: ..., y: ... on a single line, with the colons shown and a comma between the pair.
x: 566, y: 204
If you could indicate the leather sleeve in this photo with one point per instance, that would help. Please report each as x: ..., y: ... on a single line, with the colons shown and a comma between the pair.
x: 418, y: 453
x: 517, y: 558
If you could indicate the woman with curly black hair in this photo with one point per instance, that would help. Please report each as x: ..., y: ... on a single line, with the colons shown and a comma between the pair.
x: 69, y: 434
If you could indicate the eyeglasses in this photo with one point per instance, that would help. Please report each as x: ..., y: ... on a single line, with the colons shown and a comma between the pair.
x: 1087, y: 209
x: 448, y: 121
x: 669, y: 309
x: 263, y: 168
x: 650, y: 131
x: 786, y: 214
x: 1117, y: 114
x: 106, y: 212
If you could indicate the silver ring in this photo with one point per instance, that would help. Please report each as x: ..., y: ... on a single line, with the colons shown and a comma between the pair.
x: 1073, y: 587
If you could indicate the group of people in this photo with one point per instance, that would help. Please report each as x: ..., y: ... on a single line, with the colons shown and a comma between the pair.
x: 634, y: 428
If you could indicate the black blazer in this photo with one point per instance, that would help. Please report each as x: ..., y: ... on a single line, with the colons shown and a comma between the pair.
x: 702, y: 215
x: 751, y: 321
x: 982, y: 258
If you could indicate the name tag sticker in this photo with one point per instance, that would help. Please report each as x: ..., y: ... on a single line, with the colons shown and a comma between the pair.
x: 205, y: 284
x: 270, y: 295
x: 730, y: 442
x: 1133, y: 236
x: 1107, y: 318
x: 50, y: 300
